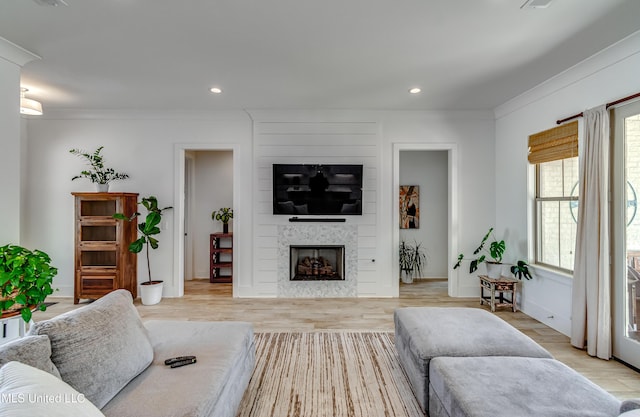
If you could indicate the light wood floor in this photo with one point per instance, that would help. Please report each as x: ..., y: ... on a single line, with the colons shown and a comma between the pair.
x: 205, y: 301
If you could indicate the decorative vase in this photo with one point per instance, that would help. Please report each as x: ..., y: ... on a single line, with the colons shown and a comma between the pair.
x: 225, y: 227
x: 494, y: 270
x: 102, y: 188
x: 151, y: 293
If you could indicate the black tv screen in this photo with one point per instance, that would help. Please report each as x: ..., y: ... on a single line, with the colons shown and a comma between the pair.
x: 326, y: 189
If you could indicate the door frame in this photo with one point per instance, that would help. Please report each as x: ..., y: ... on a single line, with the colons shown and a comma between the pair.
x: 623, y: 347
x: 188, y: 212
x: 452, y: 220
x: 180, y: 150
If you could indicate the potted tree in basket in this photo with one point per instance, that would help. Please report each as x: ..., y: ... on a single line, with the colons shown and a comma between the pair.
x: 224, y: 214
x: 151, y: 290
x: 412, y: 260
x: 25, y: 280
x: 98, y: 174
x: 495, y: 252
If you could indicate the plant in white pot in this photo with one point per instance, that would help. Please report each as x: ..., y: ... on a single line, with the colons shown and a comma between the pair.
x: 150, y: 290
x: 495, y: 252
x: 97, y: 173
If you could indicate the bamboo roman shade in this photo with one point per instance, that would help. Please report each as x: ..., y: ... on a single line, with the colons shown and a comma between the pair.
x: 551, y: 145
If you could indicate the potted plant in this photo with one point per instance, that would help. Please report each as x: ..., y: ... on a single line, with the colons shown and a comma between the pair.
x: 520, y: 270
x: 495, y: 252
x: 412, y: 260
x: 98, y: 174
x: 223, y: 215
x: 151, y: 290
x: 25, y: 279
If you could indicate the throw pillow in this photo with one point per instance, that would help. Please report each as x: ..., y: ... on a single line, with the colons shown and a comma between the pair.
x: 30, y: 392
x: 31, y: 350
x: 99, y: 348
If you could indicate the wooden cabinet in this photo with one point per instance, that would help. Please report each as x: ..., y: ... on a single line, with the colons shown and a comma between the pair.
x: 103, y: 262
x: 221, y: 257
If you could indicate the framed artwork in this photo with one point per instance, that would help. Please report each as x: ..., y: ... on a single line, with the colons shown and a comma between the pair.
x: 409, y: 207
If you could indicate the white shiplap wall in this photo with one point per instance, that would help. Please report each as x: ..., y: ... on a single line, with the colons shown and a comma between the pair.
x: 312, y: 142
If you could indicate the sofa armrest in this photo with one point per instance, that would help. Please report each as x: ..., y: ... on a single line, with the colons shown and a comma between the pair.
x: 628, y: 405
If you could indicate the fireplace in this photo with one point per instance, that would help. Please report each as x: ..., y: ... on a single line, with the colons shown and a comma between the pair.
x: 316, y: 263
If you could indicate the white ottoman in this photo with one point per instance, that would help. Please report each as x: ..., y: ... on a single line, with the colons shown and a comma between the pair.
x: 423, y: 333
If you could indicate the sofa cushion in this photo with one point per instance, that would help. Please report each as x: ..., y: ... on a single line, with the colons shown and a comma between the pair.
x: 31, y: 350
x: 30, y: 392
x: 212, y: 387
x: 100, y: 347
x: 632, y: 404
x: 514, y: 386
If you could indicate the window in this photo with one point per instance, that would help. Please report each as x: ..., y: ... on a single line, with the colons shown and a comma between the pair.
x: 554, y: 154
x: 556, y: 212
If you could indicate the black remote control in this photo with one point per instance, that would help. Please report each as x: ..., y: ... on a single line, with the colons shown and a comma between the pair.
x: 183, y: 363
x: 178, y: 359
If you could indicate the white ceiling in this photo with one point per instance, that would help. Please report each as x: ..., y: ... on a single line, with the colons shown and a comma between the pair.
x: 328, y: 54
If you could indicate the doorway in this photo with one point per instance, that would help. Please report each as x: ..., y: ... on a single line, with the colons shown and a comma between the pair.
x: 204, y: 183
x: 432, y: 167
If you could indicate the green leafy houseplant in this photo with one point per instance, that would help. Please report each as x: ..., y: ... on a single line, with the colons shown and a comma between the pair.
x: 224, y: 214
x: 520, y: 270
x: 98, y: 174
x: 412, y: 258
x: 25, y: 279
x: 495, y: 251
x: 148, y: 229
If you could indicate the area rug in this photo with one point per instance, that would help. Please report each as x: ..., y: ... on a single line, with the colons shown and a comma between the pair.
x: 332, y: 374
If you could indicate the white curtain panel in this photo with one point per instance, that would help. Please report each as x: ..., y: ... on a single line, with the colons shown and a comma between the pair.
x: 591, y: 304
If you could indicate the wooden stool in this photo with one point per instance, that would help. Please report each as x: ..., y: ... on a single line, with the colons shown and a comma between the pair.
x: 498, y: 286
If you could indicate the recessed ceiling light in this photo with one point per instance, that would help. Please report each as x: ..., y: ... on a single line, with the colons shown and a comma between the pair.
x: 216, y: 90
x: 415, y: 90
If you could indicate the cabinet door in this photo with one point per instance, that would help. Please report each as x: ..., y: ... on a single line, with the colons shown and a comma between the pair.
x: 97, y: 284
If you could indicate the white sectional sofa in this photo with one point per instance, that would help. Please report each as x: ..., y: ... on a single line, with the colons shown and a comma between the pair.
x: 113, y: 360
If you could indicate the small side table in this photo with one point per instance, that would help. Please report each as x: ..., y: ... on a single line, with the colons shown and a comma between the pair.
x: 498, y: 287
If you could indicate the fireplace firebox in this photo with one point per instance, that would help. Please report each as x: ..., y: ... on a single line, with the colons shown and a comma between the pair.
x: 316, y: 263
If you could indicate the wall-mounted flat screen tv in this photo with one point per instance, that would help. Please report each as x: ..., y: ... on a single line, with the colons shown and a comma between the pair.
x: 320, y: 189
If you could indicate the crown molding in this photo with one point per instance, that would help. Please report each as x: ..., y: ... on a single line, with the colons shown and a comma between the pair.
x: 609, y: 56
x: 15, y: 54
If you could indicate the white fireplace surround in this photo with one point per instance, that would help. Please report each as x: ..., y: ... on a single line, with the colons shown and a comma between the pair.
x: 318, y: 234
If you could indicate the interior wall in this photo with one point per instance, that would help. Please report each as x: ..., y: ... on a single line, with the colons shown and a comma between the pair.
x: 317, y: 140
x: 11, y: 154
x: 145, y: 144
x: 429, y: 171
x: 213, y: 189
x: 142, y: 145
x: 607, y: 76
x: 472, y: 134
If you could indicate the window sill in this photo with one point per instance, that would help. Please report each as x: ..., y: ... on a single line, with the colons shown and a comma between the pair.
x: 554, y: 274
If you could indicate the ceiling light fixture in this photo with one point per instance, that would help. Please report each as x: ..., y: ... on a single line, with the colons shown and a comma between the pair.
x: 29, y: 106
x: 415, y: 90
x: 216, y: 90
x: 536, y: 4
x: 51, y: 2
